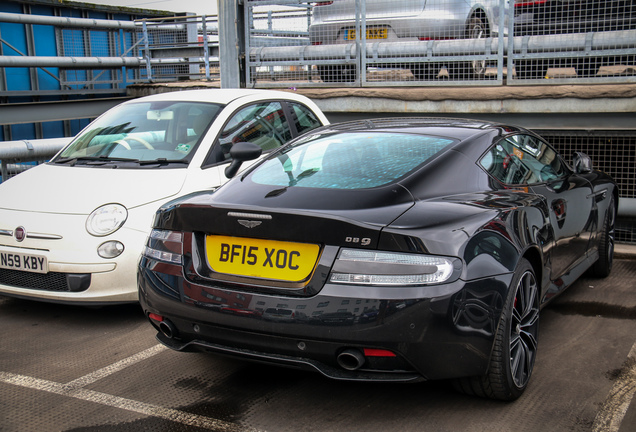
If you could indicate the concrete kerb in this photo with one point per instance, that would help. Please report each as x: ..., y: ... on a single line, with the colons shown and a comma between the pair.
x: 627, y: 251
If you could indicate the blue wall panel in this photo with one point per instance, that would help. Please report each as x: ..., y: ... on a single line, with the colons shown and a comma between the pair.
x: 72, y: 42
x: 16, y: 44
x: 44, y: 37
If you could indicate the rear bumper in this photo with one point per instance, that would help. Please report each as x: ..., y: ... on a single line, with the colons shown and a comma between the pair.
x: 439, y: 332
x: 403, y: 29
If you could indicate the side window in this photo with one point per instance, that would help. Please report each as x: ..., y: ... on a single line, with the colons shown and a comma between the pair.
x: 304, y: 118
x: 263, y: 124
x: 523, y: 160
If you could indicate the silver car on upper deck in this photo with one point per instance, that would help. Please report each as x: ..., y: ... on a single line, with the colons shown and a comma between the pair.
x: 335, y: 22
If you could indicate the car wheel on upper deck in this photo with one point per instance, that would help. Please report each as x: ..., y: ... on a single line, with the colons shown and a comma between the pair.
x: 425, y: 71
x: 588, y: 67
x: 531, y: 69
x: 477, y: 28
x: 337, y: 73
x: 603, y: 266
x: 515, y: 349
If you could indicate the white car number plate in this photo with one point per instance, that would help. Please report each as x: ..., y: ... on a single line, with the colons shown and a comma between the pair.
x: 23, y: 262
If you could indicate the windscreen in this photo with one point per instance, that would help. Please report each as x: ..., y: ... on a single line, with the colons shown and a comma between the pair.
x: 349, y: 160
x: 144, y: 131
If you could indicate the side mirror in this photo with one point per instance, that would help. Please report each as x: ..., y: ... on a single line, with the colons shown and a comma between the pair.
x: 241, y: 152
x: 582, y: 163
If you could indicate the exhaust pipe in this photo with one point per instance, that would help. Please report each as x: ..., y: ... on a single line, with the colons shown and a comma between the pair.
x: 351, y: 359
x: 168, y: 329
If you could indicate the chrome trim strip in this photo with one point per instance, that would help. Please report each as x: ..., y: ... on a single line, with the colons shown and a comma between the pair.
x: 6, y: 232
x: 44, y: 236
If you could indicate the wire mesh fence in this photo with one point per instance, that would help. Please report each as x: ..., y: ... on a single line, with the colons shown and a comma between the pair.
x: 167, y: 49
x: 583, y: 39
x: 96, y: 42
x: 179, y: 48
x: 437, y: 42
x: 613, y: 152
x: 369, y: 43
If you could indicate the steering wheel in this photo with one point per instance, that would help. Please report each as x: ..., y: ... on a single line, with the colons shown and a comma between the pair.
x: 122, y: 142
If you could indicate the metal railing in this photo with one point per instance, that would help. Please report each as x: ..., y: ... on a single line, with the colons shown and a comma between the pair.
x: 436, y: 42
x: 432, y: 42
x: 180, y: 48
x: 18, y: 156
x: 92, y: 53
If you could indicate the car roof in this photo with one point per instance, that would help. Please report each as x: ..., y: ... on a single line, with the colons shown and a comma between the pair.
x: 214, y: 95
x: 460, y: 129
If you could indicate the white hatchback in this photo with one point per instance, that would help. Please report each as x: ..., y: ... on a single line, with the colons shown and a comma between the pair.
x: 72, y: 230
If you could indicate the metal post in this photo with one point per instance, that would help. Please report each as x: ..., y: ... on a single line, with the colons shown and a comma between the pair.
x: 122, y: 49
x: 228, y: 44
x: 5, y: 171
x: 511, y: 44
x: 192, y: 39
x: 206, y: 52
x: 147, y: 51
x: 500, y: 39
x: 362, y: 48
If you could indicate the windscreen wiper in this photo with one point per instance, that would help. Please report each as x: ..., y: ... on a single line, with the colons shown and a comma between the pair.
x: 92, y: 160
x: 163, y: 161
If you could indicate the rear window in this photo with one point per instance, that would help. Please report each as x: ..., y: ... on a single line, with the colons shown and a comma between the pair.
x: 351, y: 160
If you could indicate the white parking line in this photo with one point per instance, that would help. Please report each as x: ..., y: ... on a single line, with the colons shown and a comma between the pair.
x: 74, y: 389
x: 611, y: 414
x: 115, y: 367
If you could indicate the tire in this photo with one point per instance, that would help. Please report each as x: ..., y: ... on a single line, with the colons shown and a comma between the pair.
x: 425, y: 71
x: 587, y: 68
x: 337, y: 73
x: 515, y: 348
x: 531, y: 69
x: 603, y: 266
x: 477, y: 28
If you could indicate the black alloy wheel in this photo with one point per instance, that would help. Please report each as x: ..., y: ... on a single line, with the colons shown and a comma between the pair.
x: 477, y: 28
x: 515, y: 348
x: 603, y: 266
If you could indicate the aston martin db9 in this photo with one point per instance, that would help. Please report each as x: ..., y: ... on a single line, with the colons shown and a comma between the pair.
x: 387, y: 250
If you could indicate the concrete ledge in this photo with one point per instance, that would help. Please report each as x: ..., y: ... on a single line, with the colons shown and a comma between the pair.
x: 565, y: 107
x: 622, y: 250
x: 426, y: 93
x: 516, y: 92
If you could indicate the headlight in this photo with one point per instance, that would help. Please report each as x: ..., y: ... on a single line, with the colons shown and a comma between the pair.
x: 106, y: 219
x: 355, y: 266
x: 164, y: 246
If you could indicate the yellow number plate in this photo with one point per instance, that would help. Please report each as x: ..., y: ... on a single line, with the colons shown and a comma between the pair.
x: 372, y: 33
x: 269, y: 259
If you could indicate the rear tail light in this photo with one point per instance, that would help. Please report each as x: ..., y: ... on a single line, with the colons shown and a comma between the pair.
x: 382, y: 268
x: 165, y: 246
x: 373, y: 352
x: 525, y: 3
x: 324, y: 3
x: 155, y: 317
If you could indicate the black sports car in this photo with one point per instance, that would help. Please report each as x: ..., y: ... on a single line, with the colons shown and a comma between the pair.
x: 389, y: 250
